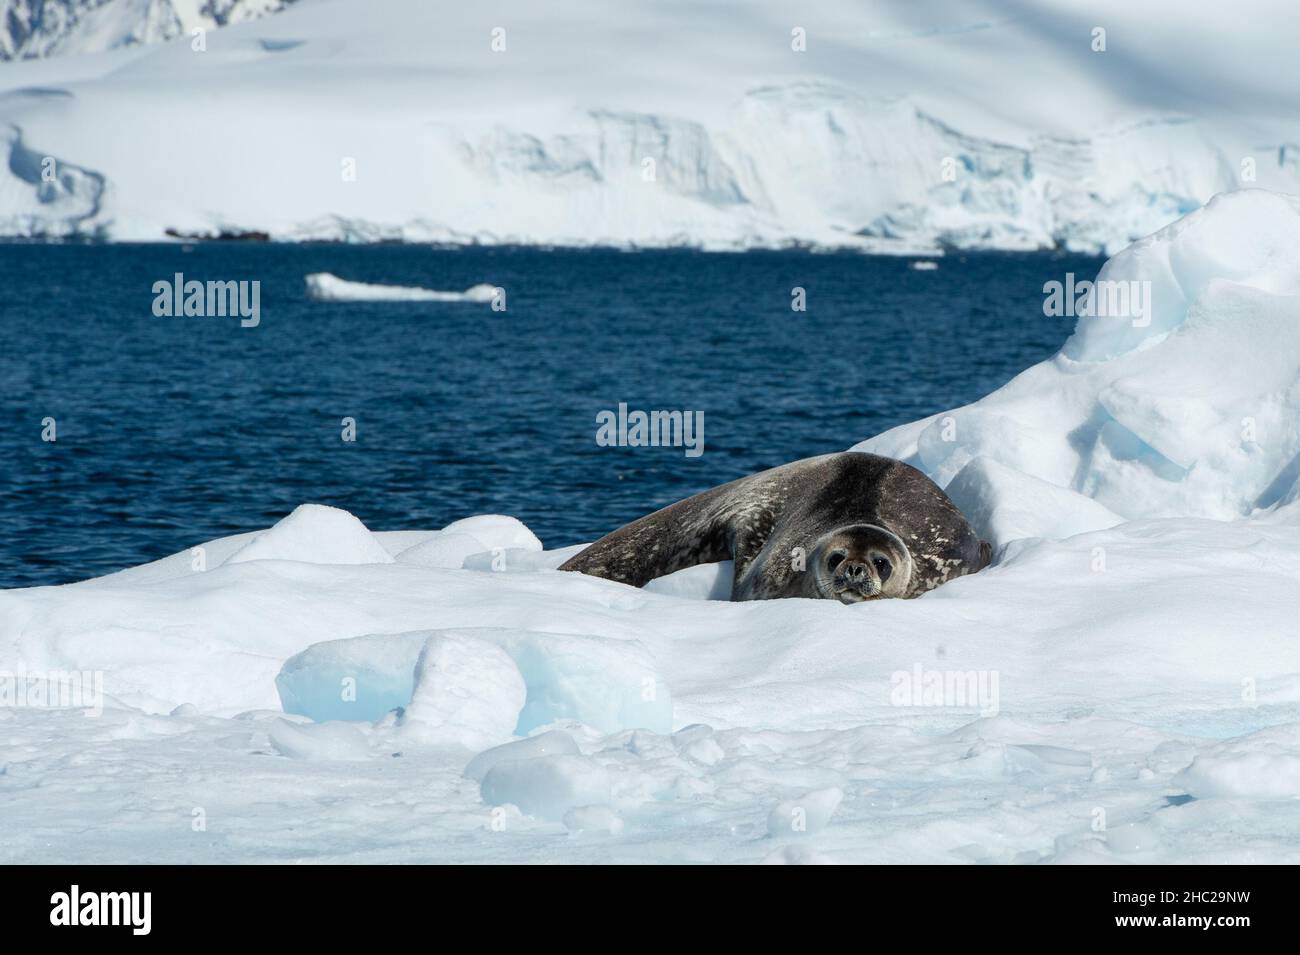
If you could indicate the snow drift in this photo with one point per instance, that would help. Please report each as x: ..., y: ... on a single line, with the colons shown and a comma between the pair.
x: 1190, y: 411
x: 1123, y: 685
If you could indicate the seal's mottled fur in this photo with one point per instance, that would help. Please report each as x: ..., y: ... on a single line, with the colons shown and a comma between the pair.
x: 849, y: 526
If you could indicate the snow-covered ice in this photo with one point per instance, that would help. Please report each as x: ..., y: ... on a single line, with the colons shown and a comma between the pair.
x: 315, y: 534
x: 1122, y: 685
x: 1188, y: 410
x: 324, y: 287
x: 806, y: 814
x: 549, y: 786
x: 466, y: 692
x: 895, y: 126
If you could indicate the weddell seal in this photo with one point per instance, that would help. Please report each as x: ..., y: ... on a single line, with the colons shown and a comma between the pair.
x: 850, y: 527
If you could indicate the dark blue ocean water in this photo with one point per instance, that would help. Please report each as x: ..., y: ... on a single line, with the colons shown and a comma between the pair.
x: 172, y: 431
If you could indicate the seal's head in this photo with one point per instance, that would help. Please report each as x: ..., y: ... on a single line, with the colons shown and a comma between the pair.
x: 861, y: 562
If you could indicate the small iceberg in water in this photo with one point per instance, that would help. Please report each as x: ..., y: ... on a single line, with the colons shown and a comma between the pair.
x: 325, y: 287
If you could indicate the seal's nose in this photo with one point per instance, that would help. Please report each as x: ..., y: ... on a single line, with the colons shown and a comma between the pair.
x: 855, y: 571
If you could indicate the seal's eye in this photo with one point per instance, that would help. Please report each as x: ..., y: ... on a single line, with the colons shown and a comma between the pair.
x: 883, y: 568
x: 835, y: 560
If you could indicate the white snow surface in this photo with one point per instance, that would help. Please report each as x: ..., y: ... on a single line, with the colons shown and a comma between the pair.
x: 1190, y: 410
x: 1121, y: 686
x: 324, y: 287
x: 315, y: 534
x: 466, y: 692
x: 897, y: 127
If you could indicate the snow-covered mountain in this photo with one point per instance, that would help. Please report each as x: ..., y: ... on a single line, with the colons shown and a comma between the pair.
x: 985, y: 123
x: 39, y: 28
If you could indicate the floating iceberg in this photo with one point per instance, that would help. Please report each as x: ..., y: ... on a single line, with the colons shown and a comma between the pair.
x: 324, y: 287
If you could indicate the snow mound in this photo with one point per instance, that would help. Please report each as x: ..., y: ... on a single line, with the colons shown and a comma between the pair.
x: 495, y: 541
x: 1189, y: 407
x: 467, y: 692
x: 1005, y: 505
x: 503, y: 543
x: 496, y: 530
x: 547, y: 786
x: 324, y: 287
x: 319, y: 741
x: 1263, y: 765
x: 315, y: 534
x: 446, y: 549
x: 548, y: 743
